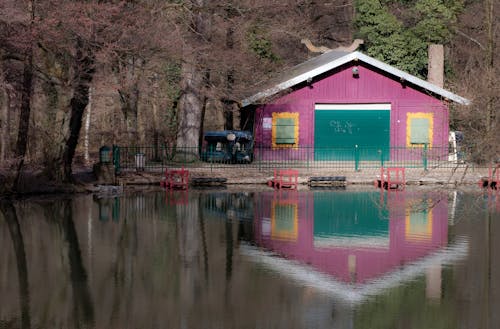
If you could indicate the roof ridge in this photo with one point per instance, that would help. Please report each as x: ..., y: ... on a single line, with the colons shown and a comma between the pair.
x: 332, y: 59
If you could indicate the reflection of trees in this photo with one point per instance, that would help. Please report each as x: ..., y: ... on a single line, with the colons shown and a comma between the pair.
x: 203, y: 241
x: 192, y: 246
x: 229, y: 249
x: 123, y: 267
x: 407, y: 306
x: 189, y: 246
x: 10, y: 215
x: 82, y: 302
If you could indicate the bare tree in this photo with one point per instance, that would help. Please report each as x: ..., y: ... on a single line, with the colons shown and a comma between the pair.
x: 194, y: 72
x: 474, y: 54
x: 5, y: 91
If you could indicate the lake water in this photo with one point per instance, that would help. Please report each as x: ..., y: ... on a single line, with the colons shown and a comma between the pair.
x: 224, y: 259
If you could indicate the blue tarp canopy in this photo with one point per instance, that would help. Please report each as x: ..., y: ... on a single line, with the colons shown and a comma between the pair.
x: 222, y: 135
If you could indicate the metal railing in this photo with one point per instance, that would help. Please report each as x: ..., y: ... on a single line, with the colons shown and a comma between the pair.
x: 149, y: 158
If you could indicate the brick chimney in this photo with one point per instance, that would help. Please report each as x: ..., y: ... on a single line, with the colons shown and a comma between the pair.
x: 435, y: 69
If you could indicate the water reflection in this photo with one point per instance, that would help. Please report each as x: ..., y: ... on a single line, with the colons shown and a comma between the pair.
x: 353, y: 245
x: 218, y: 259
x: 10, y: 215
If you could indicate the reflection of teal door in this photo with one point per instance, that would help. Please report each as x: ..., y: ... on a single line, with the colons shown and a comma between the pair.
x: 338, y: 128
x: 349, y: 219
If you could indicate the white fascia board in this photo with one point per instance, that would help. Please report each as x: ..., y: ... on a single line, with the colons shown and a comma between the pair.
x: 355, y: 107
x: 346, y: 59
x: 355, y: 293
x: 413, y: 79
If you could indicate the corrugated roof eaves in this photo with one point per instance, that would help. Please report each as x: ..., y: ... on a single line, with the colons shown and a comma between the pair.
x: 299, y: 78
x: 345, y: 59
x: 413, y: 79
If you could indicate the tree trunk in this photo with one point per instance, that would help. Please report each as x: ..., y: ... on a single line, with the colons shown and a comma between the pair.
x: 190, y: 110
x: 4, y: 124
x: 24, y: 113
x: 192, y: 100
x: 228, y: 104
x: 83, y: 67
x: 24, y: 117
x: 156, y: 119
x: 490, y: 55
x: 129, y: 96
x: 87, y: 129
x: 129, y: 104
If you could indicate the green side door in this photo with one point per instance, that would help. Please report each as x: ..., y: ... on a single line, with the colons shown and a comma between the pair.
x: 338, y: 129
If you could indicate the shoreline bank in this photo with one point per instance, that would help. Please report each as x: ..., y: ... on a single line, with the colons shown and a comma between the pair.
x: 86, y: 182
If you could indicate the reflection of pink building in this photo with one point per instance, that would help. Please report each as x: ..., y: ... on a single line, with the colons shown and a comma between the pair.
x: 354, y: 241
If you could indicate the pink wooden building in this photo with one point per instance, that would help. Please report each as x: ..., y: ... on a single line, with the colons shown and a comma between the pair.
x: 338, y: 102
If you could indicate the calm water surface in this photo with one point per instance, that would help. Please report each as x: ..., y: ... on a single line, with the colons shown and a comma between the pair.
x: 219, y: 259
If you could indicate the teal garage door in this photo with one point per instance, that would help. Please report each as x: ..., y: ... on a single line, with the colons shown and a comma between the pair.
x: 338, y: 128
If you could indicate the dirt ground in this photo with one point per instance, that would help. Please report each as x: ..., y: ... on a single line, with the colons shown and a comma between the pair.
x: 85, y: 181
x: 462, y: 175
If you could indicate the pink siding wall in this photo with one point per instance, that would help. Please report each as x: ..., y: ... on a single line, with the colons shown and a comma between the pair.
x: 372, y: 86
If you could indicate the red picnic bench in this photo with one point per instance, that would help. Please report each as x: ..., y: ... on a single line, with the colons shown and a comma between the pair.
x: 391, y: 178
x: 176, y: 179
x: 284, y: 178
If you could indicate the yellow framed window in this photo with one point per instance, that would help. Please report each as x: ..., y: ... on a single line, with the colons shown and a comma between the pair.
x: 285, y: 129
x: 419, y: 129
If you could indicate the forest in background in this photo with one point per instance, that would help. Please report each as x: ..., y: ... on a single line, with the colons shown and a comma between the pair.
x: 76, y: 75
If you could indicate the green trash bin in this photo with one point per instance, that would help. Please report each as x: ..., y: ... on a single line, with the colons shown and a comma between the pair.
x: 105, y: 154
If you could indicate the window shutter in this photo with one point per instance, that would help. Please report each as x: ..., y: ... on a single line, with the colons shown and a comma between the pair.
x: 285, y: 131
x: 420, y: 131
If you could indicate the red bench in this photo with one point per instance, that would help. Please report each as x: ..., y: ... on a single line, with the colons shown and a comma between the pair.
x: 287, y: 178
x: 176, y: 179
x: 392, y: 178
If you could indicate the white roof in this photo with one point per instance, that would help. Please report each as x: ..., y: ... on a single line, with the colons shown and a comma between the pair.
x: 355, y: 293
x: 333, y: 59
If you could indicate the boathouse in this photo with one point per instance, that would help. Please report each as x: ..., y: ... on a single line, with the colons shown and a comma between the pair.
x: 340, y: 105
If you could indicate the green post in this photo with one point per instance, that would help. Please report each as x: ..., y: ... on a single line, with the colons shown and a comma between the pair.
x: 356, y: 158
x: 308, y: 149
x: 381, y: 157
x: 424, y: 157
x: 211, y: 151
x: 116, y: 158
x: 162, y: 156
x: 260, y: 156
x: 115, y: 211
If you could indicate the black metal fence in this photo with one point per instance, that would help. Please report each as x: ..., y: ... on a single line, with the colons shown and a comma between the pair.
x: 151, y: 158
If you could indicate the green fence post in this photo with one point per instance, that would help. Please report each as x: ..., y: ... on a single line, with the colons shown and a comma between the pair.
x: 424, y: 157
x: 307, y: 157
x: 162, y: 156
x: 356, y: 158
x: 260, y: 157
x: 211, y: 150
x: 116, y: 158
